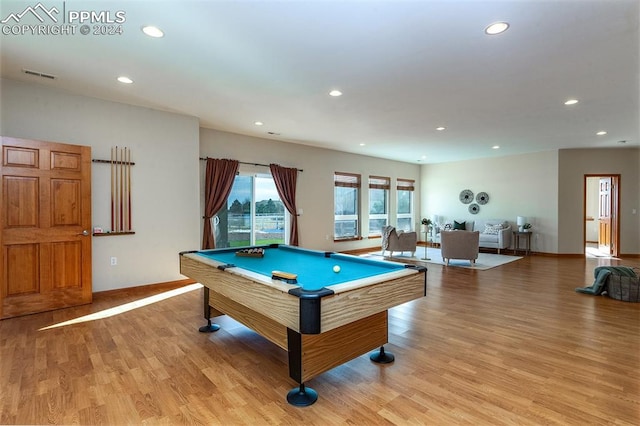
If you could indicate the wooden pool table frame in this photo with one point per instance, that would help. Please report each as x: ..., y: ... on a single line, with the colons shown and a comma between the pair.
x: 353, y: 318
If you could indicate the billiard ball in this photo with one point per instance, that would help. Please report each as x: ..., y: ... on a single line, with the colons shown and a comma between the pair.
x: 336, y: 269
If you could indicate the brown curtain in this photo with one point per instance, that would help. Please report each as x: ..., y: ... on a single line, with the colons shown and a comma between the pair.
x: 285, y: 180
x: 218, y: 182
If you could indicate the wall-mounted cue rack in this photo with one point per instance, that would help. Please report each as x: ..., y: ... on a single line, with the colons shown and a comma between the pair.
x: 120, y: 192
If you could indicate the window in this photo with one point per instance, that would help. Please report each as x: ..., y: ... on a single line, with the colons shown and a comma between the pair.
x: 405, y: 204
x: 378, y: 204
x: 254, y: 214
x: 346, y: 197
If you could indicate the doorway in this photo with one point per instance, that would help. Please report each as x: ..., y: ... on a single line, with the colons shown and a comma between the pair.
x: 601, y: 215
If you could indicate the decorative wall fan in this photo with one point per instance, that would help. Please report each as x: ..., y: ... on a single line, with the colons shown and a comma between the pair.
x: 466, y: 196
x: 482, y: 198
x: 474, y: 208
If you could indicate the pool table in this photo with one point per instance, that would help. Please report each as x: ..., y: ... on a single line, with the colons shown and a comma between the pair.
x: 332, y: 308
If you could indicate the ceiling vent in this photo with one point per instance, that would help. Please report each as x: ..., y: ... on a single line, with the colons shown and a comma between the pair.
x: 39, y: 74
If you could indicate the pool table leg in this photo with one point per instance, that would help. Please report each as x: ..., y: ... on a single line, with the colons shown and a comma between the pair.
x: 210, y: 327
x: 382, y: 357
x: 302, y: 396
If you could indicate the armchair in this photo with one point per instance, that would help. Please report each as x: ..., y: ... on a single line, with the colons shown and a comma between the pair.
x: 459, y: 245
x: 494, y: 233
x: 401, y: 241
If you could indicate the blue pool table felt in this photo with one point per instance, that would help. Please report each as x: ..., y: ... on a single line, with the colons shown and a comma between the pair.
x: 313, y: 269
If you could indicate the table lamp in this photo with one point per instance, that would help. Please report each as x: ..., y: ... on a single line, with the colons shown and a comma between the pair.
x: 520, y: 221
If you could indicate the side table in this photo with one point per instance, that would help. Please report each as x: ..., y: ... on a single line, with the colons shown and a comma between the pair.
x: 526, y: 237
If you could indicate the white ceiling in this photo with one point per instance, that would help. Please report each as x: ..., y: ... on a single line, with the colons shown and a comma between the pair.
x: 405, y: 67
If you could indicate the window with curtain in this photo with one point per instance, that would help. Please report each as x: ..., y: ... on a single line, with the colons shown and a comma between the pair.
x: 346, y: 198
x: 255, y: 215
x: 378, y: 204
x: 404, y: 197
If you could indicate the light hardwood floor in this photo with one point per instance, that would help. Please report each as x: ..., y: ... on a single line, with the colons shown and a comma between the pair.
x: 511, y: 345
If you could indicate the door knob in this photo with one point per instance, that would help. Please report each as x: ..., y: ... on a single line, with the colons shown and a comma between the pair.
x: 84, y: 233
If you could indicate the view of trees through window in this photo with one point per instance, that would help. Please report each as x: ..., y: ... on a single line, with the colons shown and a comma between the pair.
x: 346, y: 212
x: 378, y: 203
x: 405, y: 204
x: 378, y: 216
x: 405, y: 214
x: 255, y: 215
x: 346, y: 198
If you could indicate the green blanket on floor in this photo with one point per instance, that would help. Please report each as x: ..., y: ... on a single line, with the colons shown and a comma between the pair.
x: 601, y: 273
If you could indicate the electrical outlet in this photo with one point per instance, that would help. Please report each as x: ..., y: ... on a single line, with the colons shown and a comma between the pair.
x: 114, y: 261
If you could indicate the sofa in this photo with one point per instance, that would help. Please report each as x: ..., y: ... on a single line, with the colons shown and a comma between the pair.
x: 459, y: 245
x: 494, y: 233
x: 401, y: 241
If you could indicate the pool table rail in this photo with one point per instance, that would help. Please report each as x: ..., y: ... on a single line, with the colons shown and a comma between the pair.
x: 343, y: 307
x: 268, y: 297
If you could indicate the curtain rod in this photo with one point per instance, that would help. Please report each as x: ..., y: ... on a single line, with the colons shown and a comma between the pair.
x: 250, y: 164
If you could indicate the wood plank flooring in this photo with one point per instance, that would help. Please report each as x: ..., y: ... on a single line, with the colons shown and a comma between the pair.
x: 511, y: 345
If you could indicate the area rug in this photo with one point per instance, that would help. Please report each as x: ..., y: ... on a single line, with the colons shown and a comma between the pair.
x: 485, y: 260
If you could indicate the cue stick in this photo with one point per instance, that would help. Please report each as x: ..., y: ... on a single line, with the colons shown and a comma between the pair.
x: 112, y: 194
x: 115, y: 182
x: 117, y: 189
x: 129, y: 188
x: 121, y: 189
x: 126, y: 189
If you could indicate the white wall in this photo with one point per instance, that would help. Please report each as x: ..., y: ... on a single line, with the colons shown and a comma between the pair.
x: 521, y: 185
x: 315, y: 184
x: 165, y: 185
x: 574, y: 164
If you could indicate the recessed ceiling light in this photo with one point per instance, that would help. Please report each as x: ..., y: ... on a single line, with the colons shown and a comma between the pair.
x: 335, y: 93
x: 125, y: 80
x: 362, y: 144
x: 601, y: 133
x: 571, y: 102
x: 152, y: 31
x: 496, y: 28
x: 258, y: 123
x: 495, y: 147
x: 440, y: 128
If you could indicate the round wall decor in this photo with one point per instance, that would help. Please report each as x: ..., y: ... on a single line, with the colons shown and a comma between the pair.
x: 474, y: 208
x: 482, y: 198
x: 466, y: 196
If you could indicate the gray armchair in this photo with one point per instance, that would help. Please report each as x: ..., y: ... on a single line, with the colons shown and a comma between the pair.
x: 459, y: 245
x: 494, y: 233
x: 401, y: 241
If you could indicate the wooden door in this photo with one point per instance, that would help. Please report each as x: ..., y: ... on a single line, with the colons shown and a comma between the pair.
x: 604, y: 215
x: 45, y: 220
